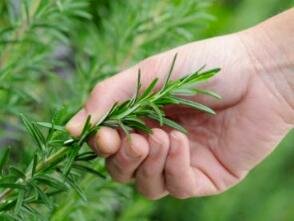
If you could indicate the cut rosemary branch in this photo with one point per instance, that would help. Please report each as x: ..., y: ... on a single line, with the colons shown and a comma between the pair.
x: 54, y: 167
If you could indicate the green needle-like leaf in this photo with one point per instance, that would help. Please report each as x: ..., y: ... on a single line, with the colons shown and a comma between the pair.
x: 34, y: 165
x: 149, y: 89
x: 70, y: 159
x: 17, y: 172
x: 3, y: 158
x: 12, y: 185
x: 34, y: 132
x: 58, y: 161
x: 207, y: 92
x: 167, y: 80
x: 50, y: 125
x: 134, y: 99
x: 52, y: 182
x: 19, y: 201
x: 43, y: 196
x: 194, y: 105
x: 88, y: 170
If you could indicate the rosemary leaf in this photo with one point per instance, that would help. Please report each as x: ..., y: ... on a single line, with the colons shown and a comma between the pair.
x: 19, y: 201
x: 58, y: 160
x: 88, y: 170
x: 3, y: 158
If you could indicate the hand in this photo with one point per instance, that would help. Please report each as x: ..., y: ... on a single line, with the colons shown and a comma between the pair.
x: 218, y: 151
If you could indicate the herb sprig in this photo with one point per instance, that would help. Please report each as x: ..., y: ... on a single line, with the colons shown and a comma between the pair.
x: 58, y: 162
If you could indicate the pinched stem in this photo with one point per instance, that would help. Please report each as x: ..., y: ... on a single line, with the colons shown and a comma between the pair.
x: 127, y: 116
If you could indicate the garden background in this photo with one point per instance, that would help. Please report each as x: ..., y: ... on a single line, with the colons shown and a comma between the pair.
x: 53, y: 52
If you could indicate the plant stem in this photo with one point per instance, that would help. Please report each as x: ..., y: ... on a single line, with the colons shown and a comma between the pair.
x: 129, y: 111
x: 53, y: 158
x: 40, y: 166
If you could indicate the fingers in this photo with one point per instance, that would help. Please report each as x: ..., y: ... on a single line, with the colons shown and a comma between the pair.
x: 149, y: 177
x: 130, y: 155
x: 167, y: 168
x: 192, y: 176
x: 106, y: 142
x: 160, y: 163
x: 101, y: 99
x: 180, y: 178
x: 117, y: 88
x: 123, y: 85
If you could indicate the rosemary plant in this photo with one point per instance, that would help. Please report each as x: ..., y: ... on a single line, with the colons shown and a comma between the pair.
x: 54, y: 166
x: 37, y: 76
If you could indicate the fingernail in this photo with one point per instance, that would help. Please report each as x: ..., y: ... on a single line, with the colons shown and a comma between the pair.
x: 75, y: 125
x: 156, y: 143
x: 155, y: 138
x: 174, y: 142
x: 174, y: 135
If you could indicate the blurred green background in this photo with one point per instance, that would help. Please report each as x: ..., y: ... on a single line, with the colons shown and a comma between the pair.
x: 93, y: 39
x: 268, y: 191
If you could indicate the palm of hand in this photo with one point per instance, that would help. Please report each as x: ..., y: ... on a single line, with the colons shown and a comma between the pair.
x: 219, y: 150
x: 246, y: 128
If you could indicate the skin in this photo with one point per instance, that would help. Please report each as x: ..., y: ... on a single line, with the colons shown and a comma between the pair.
x: 256, y: 83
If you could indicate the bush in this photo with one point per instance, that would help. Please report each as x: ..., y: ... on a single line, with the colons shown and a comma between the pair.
x: 52, y: 53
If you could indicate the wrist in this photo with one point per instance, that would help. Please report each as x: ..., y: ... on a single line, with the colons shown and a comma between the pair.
x: 270, y: 46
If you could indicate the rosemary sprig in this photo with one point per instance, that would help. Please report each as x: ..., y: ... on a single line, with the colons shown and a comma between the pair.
x: 56, y: 165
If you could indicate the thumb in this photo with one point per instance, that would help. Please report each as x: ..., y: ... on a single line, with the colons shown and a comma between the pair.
x: 103, y: 96
x: 122, y: 87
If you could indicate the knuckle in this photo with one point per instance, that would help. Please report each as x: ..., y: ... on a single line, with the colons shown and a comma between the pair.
x: 161, y: 137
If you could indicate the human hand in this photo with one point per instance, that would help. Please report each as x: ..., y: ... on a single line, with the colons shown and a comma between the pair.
x: 218, y: 152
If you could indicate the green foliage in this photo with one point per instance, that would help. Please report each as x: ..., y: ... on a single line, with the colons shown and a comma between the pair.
x: 28, y: 38
x: 59, y: 161
x: 236, y: 15
x: 266, y: 193
x: 53, y: 52
x: 51, y: 55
